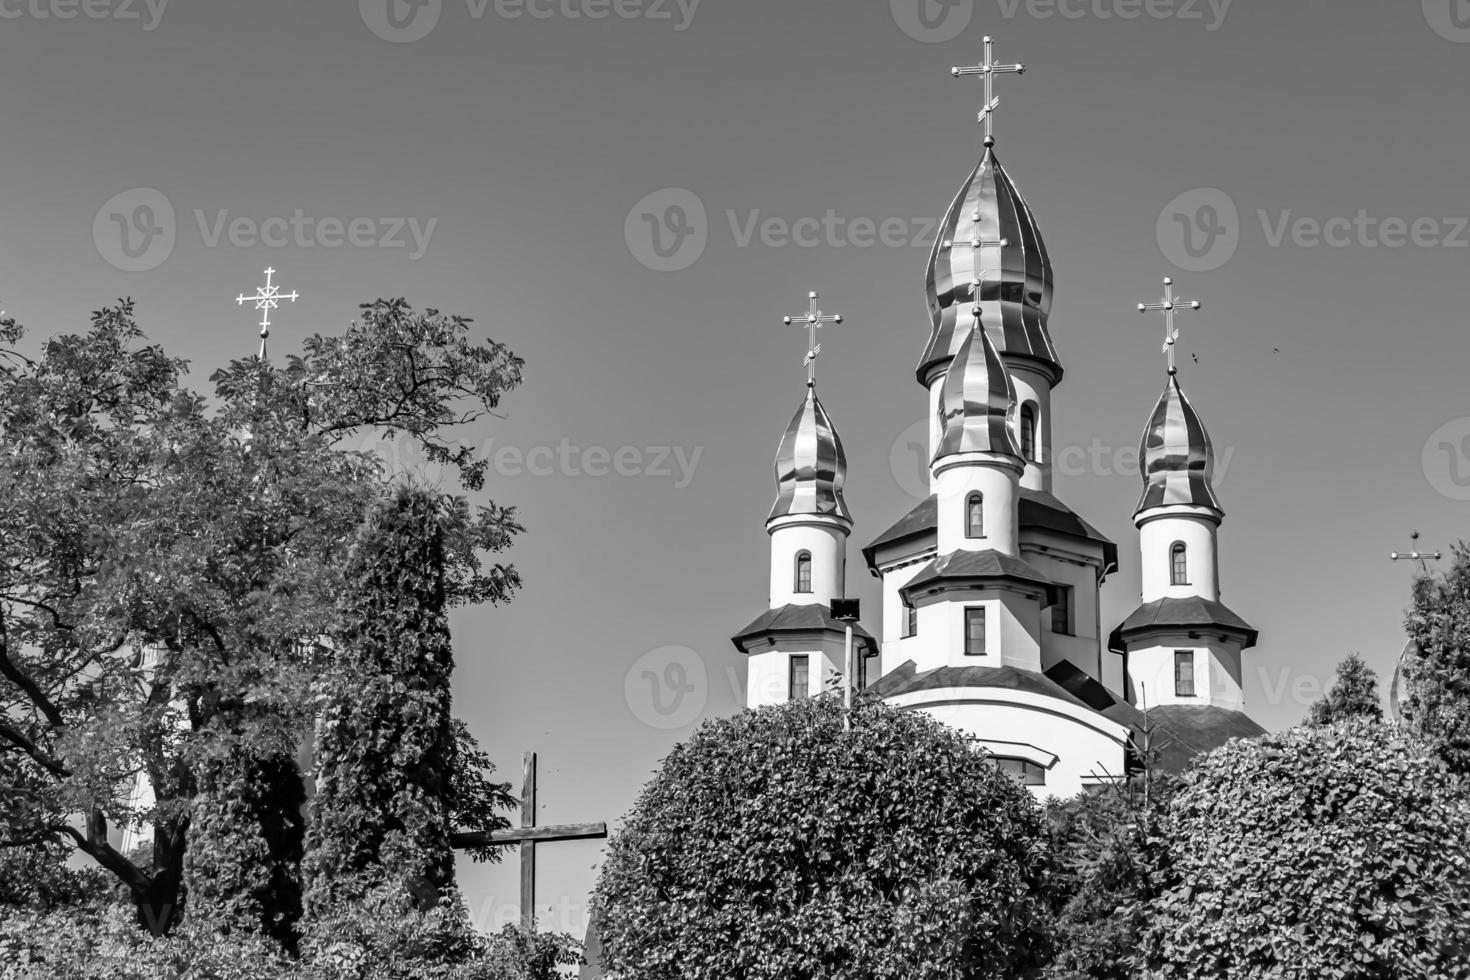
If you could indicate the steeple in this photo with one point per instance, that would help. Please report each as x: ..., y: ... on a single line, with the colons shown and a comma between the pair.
x: 1176, y: 457
x: 811, y: 466
x: 977, y: 405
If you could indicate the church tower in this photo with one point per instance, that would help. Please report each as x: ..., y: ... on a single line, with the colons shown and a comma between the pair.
x: 1182, y: 645
x: 796, y: 648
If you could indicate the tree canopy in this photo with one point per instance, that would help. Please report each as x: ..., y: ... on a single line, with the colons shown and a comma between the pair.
x: 1437, y: 670
x: 1353, y: 696
x: 774, y: 844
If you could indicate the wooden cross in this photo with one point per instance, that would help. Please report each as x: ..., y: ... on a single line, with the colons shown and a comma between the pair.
x: 1414, y: 554
x: 813, y: 320
x: 528, y: 835
x: 988, y: 70
x: 1169, y: 306
x: 266, y: 298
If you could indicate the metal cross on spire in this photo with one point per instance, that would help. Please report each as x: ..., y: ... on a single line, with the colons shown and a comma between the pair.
x: 813, y: 320
x: 1414, y: 554
x: 1169, y: 306
x: 975, y: 244
x: 988, y: 70
x: 266, y: 298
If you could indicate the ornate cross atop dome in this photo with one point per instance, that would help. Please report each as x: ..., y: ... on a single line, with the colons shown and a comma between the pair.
x: 813, y: 321
x: 988, y: 70
x: 1169, y: 306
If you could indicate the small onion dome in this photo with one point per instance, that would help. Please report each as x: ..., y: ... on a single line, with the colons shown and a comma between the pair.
x: 977, y: 401
x: 1017, y: 287
x: 810, y: 465
x: 1177, y: 460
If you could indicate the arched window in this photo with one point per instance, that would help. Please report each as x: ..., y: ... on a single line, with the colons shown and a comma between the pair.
x: 1028, y: 431
x: 975, y: 516
x: 1178, y: 564
x: 803, y: 571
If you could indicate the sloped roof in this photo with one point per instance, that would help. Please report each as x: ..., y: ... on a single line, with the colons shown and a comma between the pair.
x: 1037, y: 510
x: 1182, y: 731
x: 906, y: 680
x: 981, y: 565
x: 1092, y: 693
x: 808, y: 618
x: 1191, y: 613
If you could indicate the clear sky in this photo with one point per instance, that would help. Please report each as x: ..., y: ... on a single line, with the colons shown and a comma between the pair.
x: 519, y: 139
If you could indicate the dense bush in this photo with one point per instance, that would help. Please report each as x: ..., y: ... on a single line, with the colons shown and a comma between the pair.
x: 1334, y: 852
x: 1437, y: 671
x: 777, y: 845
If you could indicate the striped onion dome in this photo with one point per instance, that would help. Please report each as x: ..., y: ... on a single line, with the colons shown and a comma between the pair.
x: 1017, y: 284
x: 977, y: 401
x: 810, y: 465
x: 1177, y: 460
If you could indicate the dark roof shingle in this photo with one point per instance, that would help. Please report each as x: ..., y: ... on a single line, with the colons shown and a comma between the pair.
x: 1191, y: 612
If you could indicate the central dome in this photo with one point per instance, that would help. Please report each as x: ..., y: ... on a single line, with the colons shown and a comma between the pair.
x: 1016, y: 292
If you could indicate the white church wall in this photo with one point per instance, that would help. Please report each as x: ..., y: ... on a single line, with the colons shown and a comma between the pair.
x: 768, y: 670
x: 1061, y: 560
x: 1155, y: 539
x: 896, y: 648
x: 827, y: 544
x: 1032, y: 386
x: 1012, y: 630
x: 955, y: 479
x: 1087, y: 748
x: 1216, y: 671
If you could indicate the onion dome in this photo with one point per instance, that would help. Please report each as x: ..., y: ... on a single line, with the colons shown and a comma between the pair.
x: 977, y: 400
x: 1177, y: 460
x: 1017, y: 286
x: 810, y: 465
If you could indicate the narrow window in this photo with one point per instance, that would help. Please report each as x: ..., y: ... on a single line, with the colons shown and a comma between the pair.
x: 910, y: 621
x: 1178, y: 564
x: 974, y: 632
x: 975, y: 516
x: 1023, y: 771
x: 803, y: 571
x: 799, y: 678
x: 1061, y: 612
x: 1028, y: 431
x: 1184, y: 673
x: 862, y: 669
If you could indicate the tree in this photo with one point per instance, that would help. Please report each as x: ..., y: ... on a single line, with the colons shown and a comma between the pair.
x: 386, y: 743
x: 1320, y: 852
x: 1100, y: 883
x: 1437, y: 669
x: 1354, y: 696
x: 169, y: 565
x: 777, y: 845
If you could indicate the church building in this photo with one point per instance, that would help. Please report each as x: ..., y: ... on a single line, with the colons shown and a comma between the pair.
x: 991, y: 613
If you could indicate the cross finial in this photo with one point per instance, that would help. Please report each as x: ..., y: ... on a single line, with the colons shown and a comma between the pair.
x: 1169, y: 306
x: 1414, y: 554
x: 813, y: 321
x: 266, y: 298
x: 988, y: 70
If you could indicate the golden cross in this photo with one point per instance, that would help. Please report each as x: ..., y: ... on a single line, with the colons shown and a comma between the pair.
x: 813, y: 320
x: 1169, y: 306
x: 266, y: 298
x: 988, y: 70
